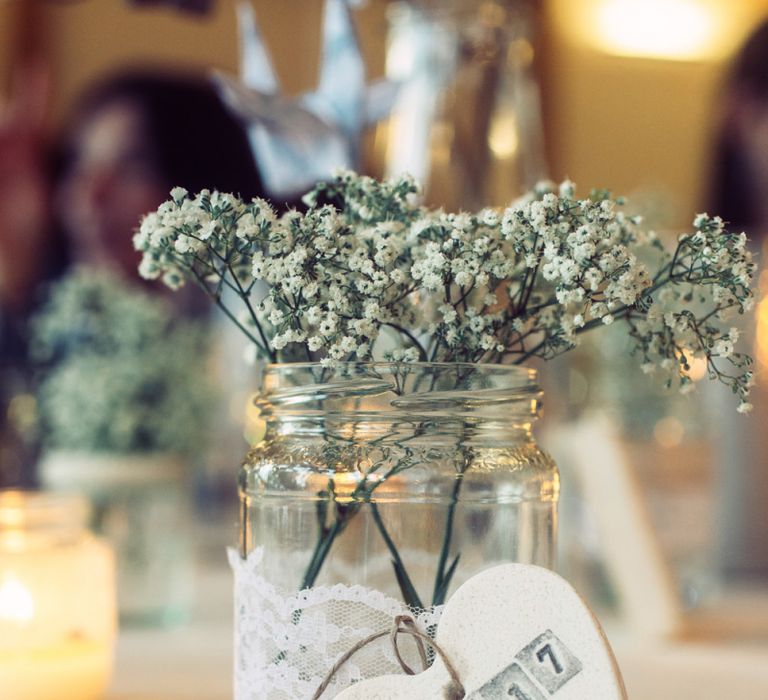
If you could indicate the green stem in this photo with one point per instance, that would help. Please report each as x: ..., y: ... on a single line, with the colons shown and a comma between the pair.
x: 247, y: 301
x: 619, y: 313
x: 441, y: 580
x: 325, y: 541
x: 527, y: 289
x: 322, y: 547
x: 416, y: 344
x: 363, y: 493
x: 407, y: 588
x: 217, y: 300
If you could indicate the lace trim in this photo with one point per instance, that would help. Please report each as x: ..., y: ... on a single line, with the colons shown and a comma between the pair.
x: 285, y: 644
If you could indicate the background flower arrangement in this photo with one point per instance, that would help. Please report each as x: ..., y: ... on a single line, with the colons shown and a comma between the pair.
x: 119, y: 374
x: 365, y: 262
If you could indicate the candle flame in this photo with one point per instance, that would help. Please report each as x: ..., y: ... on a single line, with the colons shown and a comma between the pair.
x: 16, y: 602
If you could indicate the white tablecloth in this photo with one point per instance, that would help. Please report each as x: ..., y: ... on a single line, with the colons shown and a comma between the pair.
x: 192, y: 662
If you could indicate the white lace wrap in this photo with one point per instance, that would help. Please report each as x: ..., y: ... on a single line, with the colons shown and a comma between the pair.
x: 285, y: 644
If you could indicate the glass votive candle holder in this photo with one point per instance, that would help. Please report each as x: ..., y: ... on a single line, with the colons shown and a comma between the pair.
x: 57, y: 599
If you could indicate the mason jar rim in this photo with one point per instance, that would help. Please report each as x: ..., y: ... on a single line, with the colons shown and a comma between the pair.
x: 526, y: 376
x: 489, y: 366
x: 292, y: 387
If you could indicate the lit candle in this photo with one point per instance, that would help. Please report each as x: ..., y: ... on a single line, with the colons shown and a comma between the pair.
x: 57, y: 600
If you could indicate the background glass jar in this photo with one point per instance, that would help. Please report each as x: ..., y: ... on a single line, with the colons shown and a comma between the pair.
x: 140, y: 506
x: 57, y: 599
x: 401, y: 479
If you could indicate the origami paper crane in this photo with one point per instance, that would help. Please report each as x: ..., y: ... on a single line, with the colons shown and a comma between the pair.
x: 300, y: 140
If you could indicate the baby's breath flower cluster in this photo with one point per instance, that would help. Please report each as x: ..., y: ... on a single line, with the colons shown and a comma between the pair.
x: 117, y: 372
x: 366, y: 273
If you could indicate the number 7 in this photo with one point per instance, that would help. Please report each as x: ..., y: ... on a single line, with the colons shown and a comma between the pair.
x: 545, y: 651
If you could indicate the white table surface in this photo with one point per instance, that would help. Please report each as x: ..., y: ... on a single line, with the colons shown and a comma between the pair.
x: 190, y: 662
x: 194, y: 662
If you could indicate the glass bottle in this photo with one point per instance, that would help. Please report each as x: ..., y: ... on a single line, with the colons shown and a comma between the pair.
x: 466, y: 120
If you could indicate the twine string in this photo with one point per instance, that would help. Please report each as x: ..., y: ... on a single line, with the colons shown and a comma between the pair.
x: 403, y: 624
x: 410, y: 625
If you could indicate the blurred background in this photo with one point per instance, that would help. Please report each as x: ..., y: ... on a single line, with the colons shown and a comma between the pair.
x: 634, y: 111
x: 480, y: 100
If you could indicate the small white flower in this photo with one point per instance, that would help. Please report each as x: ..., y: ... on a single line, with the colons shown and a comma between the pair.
x: 723, y: 348
x: 490, y: 217
x: 207, y: 230
x: 477, y: 323
x: 178, y: 193
x: 410, y: 355
x: 550, y: 271
x: 567, y: 189
x: 276, y: 316
x: 149, y: 269
x: 449, y: 313
x: 173, y: 279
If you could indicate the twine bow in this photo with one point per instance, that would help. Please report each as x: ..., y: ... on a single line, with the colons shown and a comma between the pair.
x: 403, y: 624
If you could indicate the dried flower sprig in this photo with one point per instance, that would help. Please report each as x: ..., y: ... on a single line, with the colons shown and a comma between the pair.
x: 367, y: 273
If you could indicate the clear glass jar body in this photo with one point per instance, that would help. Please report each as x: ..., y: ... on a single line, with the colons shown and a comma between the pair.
x: 398, y: 480
x: 57, y: 599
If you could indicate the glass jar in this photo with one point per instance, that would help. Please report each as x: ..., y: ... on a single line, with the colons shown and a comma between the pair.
x: 378, y: 490
x: 57, y: 600
x: 140, y: 506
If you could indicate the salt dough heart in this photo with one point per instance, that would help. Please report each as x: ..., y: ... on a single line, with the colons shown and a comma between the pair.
x: 514, y: 631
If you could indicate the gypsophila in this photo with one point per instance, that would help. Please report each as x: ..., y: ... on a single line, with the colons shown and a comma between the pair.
x: 118, y: 373
x: 365, y: 260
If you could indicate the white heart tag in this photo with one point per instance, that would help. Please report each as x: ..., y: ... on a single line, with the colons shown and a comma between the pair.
x: 516, y: 632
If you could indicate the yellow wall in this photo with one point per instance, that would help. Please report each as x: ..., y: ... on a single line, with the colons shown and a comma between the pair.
x: 87, y: 38
x: 93, y: 36
x: 9, y: 12
x: 635, y: 124
x: 630, y: 124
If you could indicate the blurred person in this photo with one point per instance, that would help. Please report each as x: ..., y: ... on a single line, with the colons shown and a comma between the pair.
x: 24, y: 190
x: 131, y: 138
x: 29, y: 253
x: 738, y: 192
